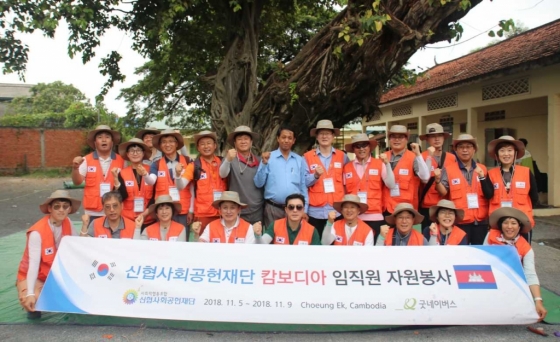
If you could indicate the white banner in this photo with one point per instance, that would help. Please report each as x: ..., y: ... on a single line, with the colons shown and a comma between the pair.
x: 289, y: 284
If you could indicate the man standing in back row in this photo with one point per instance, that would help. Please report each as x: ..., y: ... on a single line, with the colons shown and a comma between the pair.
x: 324, y: 176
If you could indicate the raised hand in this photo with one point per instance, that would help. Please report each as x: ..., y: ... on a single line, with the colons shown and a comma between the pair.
x: 384, y: 230
x: 257, y: 228
x: 196, y: 227
x: 77, y: 162
x: 383, y: 157
x: 231, y: 154
x: 265, y: 157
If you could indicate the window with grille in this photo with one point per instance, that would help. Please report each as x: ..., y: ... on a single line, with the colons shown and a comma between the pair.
x: 446, y: 120
x: 514, y: 87
x: 412, y: 125
x: 496, y: 115
x: 402, y: 110
x: 376, y: 116
x: 443, y: 102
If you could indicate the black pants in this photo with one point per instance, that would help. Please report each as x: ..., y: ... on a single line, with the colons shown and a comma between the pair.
x: 319, y: 224
x: 426, y: 222
x: 376, y: 227
x: 476, y: 233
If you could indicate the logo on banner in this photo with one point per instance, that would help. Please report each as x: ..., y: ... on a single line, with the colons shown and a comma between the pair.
x: 102, y: 270
x: 128, y: 183
x: 410, y: 304
x: 130, y: 297
x: 475, y: 277
x: 91, y: 169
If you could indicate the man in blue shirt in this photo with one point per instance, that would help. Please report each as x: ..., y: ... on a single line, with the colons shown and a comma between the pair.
x: 281, y: 173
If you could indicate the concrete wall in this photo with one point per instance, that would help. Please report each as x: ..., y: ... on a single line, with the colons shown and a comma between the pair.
x: 8, y: 91
x: 36, y: 148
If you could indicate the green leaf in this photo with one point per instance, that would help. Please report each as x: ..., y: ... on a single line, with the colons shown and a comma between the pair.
x: 491, y: 34
x: 360, y: 42
x: 347, y: 37
x: 340, y: 34
x: 378, y: 25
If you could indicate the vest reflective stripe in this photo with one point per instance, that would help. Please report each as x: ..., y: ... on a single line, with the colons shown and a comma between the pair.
x: 154, y: 232
x: 522, y: 246
x: 48, y: 247
x: 371, y: 181
x: 317, y: 195
x: 163, y: 184
x: 518, y: 193
x: 360, y: 234
x: 126, y: 233
x: 416, y: 239
x: 217, y: 234
x: 458, y: 190
x: 131, y: 185
x: 281, y: 233
x: 406, y: 179
x: 94, y: 178
x: 455, y: 238
x: 205, y: 188
x: 432, y: 196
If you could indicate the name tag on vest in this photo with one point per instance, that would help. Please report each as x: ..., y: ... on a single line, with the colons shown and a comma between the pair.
x: 303, y: 243
x: 104, y: 236
x: 173, y: 238
x: 403, y: 172
x: 154, y: 239
x: 356, y: 243
x: 337, y: 165
x: 239, y: 240
x: 280, y: 239
x: 520, y: 185
x: 91, y: 169
x: 375, y: 172
x: 49, y: 251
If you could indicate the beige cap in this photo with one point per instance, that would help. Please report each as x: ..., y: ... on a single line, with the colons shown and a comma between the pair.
x: 362, y: 137
x: 324, y: 124
x: 60, y: 194
x: 434, y: 128
x: 150, y: 130
x: 163, y: 199
x: 459, y: 213
x: 168, y: 132
x: 134, y: 141
x: 404, y: 207
x: 205, y: 134
x: 350, y: 199
x: 398, y: 129
x: 465, y: 138
x: 519, y: 146
x: 510, y: 212
x: 102, y: 128
x: 241, y: 130
x: 228, y: 196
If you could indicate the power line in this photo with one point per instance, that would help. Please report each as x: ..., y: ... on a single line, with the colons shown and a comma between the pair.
x: 464, y: 41
x: 535, y: 5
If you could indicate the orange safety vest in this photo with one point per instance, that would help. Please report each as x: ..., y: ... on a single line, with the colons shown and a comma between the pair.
x: 432, y: 196
x: 131, y: 185
x: 238, y: 234
x: 454, y: 238
x: 209, y: 182
x: 317, y: 195
x: 154, y: 232
x: 304, y: 237
x: 371, y: 182
x: 407, y: 181
x: 518, y: 193
x: 48, y: 247
x: 94, y: 178
x: 458, y: 190
x: 522, y: 246
x: 415, y: 239
x: 164, y: 181
x: 99, y: 231
x: 357, y: 239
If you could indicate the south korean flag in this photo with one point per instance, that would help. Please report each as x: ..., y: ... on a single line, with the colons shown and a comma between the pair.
x: 49, y: 251
x: 91, y: 169
x: 129, y: 183
x: 339, y: 239
x: 280, y: 239
x: 456, y: 181
x: 161, y: 173
x: 216, y: 240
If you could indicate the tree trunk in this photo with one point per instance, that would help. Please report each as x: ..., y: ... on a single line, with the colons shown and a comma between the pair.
x: 235, y: 87
x: 344, y: 88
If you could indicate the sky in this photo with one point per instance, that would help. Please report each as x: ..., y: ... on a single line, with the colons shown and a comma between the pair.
x: 49, y: 61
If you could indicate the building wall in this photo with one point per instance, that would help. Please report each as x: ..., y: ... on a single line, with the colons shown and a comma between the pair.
x: 8, y: 91
x: 36, y: 148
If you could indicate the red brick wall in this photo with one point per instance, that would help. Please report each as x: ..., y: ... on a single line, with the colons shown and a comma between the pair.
x: 61, y: 146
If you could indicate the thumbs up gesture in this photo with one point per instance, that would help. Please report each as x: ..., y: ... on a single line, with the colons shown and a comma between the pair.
x: 257, y: 228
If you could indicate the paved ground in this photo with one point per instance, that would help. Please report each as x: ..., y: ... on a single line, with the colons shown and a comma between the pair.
x: 19, y: 201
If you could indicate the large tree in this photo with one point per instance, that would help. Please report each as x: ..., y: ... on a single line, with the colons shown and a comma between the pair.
x: 253, y: 62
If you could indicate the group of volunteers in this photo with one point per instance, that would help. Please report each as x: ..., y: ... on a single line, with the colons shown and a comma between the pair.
x: 152, y: 190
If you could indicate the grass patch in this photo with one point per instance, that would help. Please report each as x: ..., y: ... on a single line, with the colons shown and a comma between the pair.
x: 42, y: 173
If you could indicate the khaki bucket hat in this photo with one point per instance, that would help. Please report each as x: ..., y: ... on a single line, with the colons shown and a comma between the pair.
x: 510, y: 212
x: 60, y: 194
x: 149, y: 130
x: 134, y: 141
x: 465, y: 138
x: 163, y: 199
x: 228, y: 196
x: 350, y: 199
x: 398, y: 129
x: 447, y: 204
x: 324, y: 124
x: 358, y: 138
x: 168, y: 132
x: 241, y: 130
x: 519, y: 146
x: 404, y: 207
x: 102, y: 128
x: 205, y: 134
x: 434, y: 128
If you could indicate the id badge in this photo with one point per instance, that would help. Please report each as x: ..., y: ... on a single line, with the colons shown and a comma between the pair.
x: 217, y: 195
x: 174, y: 193
x: 303, y: 243
x: 396, y: 191
x: 104, y: 188
x: 138, y: 204
x: 173, y: 239
x: 328, y: 185
x: 507, y: 204
x: 363, y: 196
x: 472, y: 201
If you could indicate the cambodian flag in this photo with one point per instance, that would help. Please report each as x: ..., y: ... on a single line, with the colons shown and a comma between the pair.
x: 475, y: 277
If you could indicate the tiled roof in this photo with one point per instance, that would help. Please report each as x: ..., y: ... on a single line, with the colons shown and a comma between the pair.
x: 526, y: 48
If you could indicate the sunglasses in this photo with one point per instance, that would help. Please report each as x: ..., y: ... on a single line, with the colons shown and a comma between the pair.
x: 298, y: 207
x: 64, y: 206
x: 359, y: 146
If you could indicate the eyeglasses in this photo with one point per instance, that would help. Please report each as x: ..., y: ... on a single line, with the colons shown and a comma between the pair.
x: 360, y: 146
x: 397, y: 137
x: 405, y: 218
x: 64, y: 206
x: 168, y: 142
x: 465, y: 147
x: 136, y: 151
x: 298, y: 207
x: 109, y: 206
x: 446, y: 212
